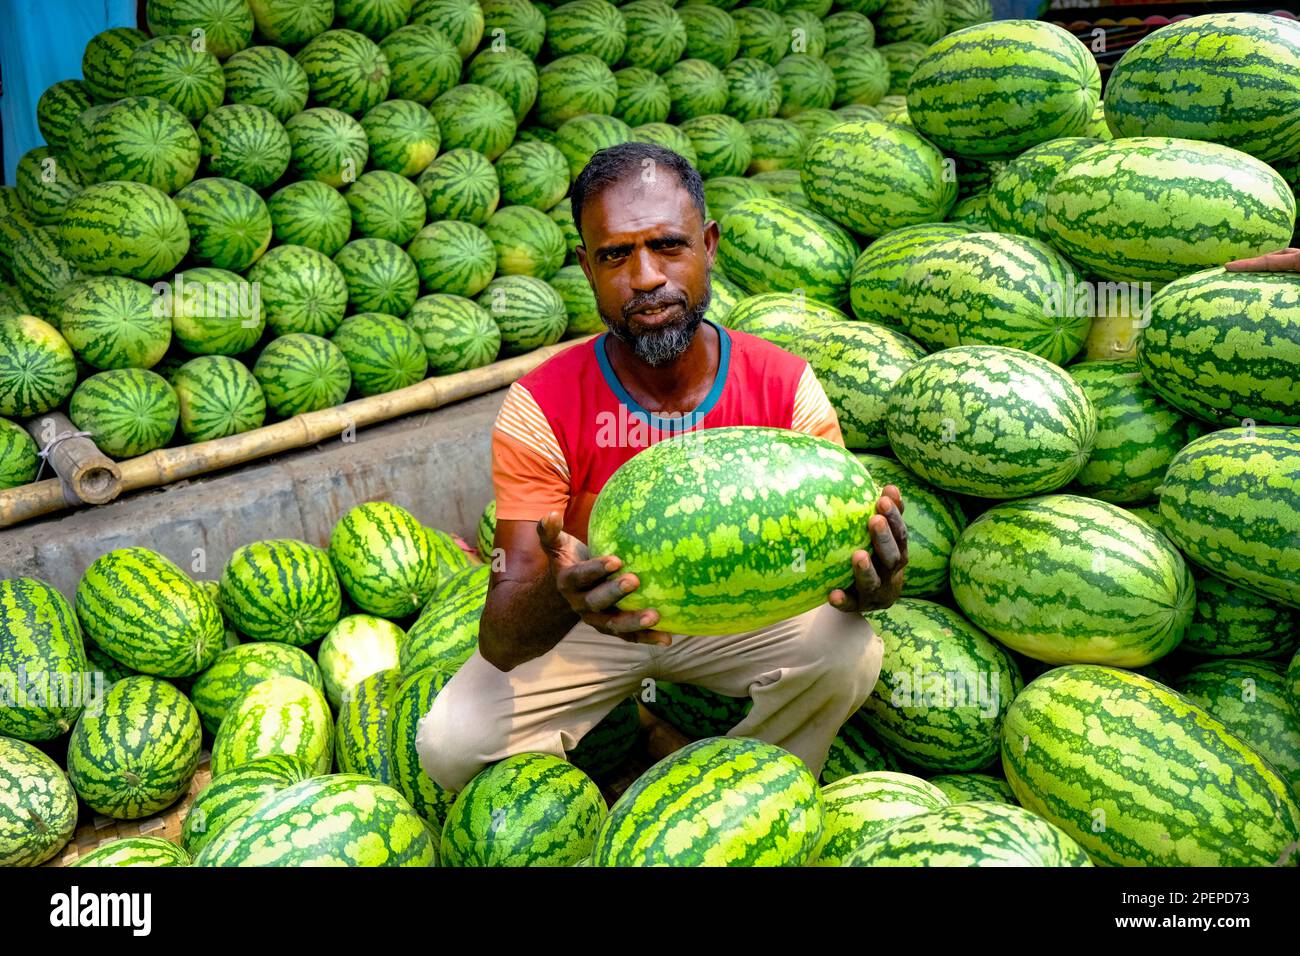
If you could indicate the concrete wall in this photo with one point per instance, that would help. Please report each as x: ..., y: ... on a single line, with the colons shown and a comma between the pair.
x: 437, y: 465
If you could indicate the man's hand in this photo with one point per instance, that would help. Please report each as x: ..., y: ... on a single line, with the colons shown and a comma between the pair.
x: 591, y: 589
x: 1288, y: 260
x: 878, y: 577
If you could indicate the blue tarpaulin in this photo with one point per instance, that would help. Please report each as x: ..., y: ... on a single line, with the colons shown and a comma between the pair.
x: 41, y: 42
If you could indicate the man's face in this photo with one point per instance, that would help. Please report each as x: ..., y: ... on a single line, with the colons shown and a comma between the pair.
x: 648, y: 253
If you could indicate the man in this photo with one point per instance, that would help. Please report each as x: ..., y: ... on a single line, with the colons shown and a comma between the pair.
x: 555, y: 654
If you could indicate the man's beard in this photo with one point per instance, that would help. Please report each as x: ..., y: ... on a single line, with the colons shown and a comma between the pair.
x: 657, y: 347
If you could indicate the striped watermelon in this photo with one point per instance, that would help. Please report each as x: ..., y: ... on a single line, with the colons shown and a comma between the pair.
x: 345, y: 71
x: 877, y: 272
x: 280, y: 715
x: 856, y: 750
x: 105, y: 59
x: 237, y: 669
x: 403, y: 136
x: 144, y: 140
x: 972, y: 834
x: 46, y: 183
x: 454, y: 257
x: 380, y: 277
x: 460, y: 184
x: 291, y: 23
x: 383, y: 353
x: 1293, y: 680
x: 1241, y: 92
x: 412, y: 702
x: 1251, y: 320
x: 229, y: 224
x: 268, y: 77
x: 518, y: 22
x: 125, y: 228
x: 527, y: 311
x: 214, y: 312
x: 337, y: 820
x: 474, y: 117
x: 531, y: 809
x: 1017, y: 193
x: 723, y: 192
x: 721, y: 144
x: 374, y: 18
x: 128, y: 411
x: 783, y: 184
x: 361, y: 731
x: 171, y: 69
x: 487, y: 525
x: 711, y: 33
x: 280, y: 590
x: 579, y: 301
x: 581, y: 137
x: 1124, y: 797
x: 302, y: 290
x: 357, y: 647
x: 874, y: 177
x: 763, y: 34
x: 462, y: 23
x: 775, y: 144
x: 423, y: 63
x: 510, y: 73
x: 656, y: 36
x: 1137, y: 433
x: 224, y: 801
x: 312, y: 214
x: 944, y: 688
x: 248, y: 144
x: 226, y: 26
x: 989, y: 288
x: 573, y: 86
x: 458, y: 333
x: 901, y: 58
x: 605, y: 748
x: 959, y: 14
x: 586, y: 26
x: 806, y: 83
x: 1243, y: 208
x: 696, y: 711
x: 753, y: 89
x: 136, y: 753
x: 448, y: 554
x: 40, y: 269
x: 858, y: 808
x: 383, y: 559
x: 725, y: 296
x: 771, y: 246
x: 445, y: 634
x: 527, y: 242
x: 218, y: 396
x: 861, y: 75
x: 957, y: 92
x: 804, y: 25
x: 1253, y: 474
x: 38, y: 808
x: 973, y: 212
x: 848, y: 28
x: 144, y: 851
x: 39, y: 634
x: 922, y: 21
x: 974, y: 788
x: 57, y: 112
x: 325, y: 144
x: 1130, y: 598
x: 1233, y: 621
x: 814, y: 492
x: 18, y: 459
x: 696, y: 88
x: 746, y: 803
x: 111, y: 322
x: 990, y: 421
x: 386, y: 206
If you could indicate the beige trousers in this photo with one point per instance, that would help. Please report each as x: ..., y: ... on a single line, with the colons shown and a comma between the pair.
x: 806, y: 675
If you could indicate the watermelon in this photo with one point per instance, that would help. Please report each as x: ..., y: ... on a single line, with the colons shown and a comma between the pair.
x: 901, y: 58
x: 280, y: 715
x: 40, y: 270
x: 747, y: 803
x: 326, y: 144
x: 581, y: 137
x: 990, y: 421
x: 105, y: 60
x: 128, y: 411
x: 1017, y: 193
x: 806, y: 83
x: 143, y: 139
x: 374, y: 18
x: 1133, y: 784
x: 214, y: 311
x: 463, y: 23
x: 382, y: 352
x: 453, y: 257
x: 224, y: 801
x: 291, y: 23
x: 46, y: 183
x: 248, y: 144
x: 312, y: 214
x: 661, y: 134
x: 723, y: 192
x: 579, y: 301
x: 1252, y: 473
x: 423, y: 63
x: 229, y: 224
x: 1250, y: 319
x: 57, y: 112
x: 604, y: 748
x: 860, y: 75
x: 357, y: 647
x: 586, y: 26
x: 877, y: 271
x: 656, y: 35
x: 383, y: 559
x: 125, y: 228
x: 573, y: 86
x: 448, y: 554
x: 112, y: 322
x: 1243, y: 208
x: 858, y: 808
x: 784, y: 320
x: 218, y: 396
x: 971, y: 834
x: 268, y: 77
x: 696, y: 88
x: 848, y: 28
x: 413, y: 700
x: 763, y: 34
x: 302, y: 290
x: 1233, y: 621
x: 921, y: 21
x: 856, y: 750
x: 527, y: 242
x: 280, y: 590
x: 445, y: 634
x: 403, y: 137
x: 711, y: 33
x: 458, y: 334
x: 511, y: 74
x: 684, y: 577
x: 695, y: 711
x: 361, y: 730
x: 775, y: 144
x: 39, y: 635
x: 533, y: 174
x: 345, y: 71
x: 771, y: 246
x: 237, y: 669
x: 224, y: 26
x: 171, y: 69
x: 516, y: 22
x: 974, y: 788
x: 475, y: 117
x: 380, y: 277
x: 138, y: 752
x: 1293, y: 680
x: 721, y: 145
x: 136, y: 851
x: 531, y: 809
x: 38, y: 808
x: 753, y: 89
x: 873, y: 177
x: 460, y: 184
x: 959, y: 14
x: 19, y: 463
x: 487, y: 524
x: 804, y: 25
x: 386, y: 206
x: 527, y: 311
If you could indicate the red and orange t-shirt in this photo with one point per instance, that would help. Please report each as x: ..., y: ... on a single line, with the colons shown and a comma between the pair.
x: 566, y: 426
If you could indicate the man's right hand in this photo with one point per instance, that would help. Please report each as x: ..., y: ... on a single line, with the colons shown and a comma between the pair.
x: 591, y: 586
x: 1285, y: 260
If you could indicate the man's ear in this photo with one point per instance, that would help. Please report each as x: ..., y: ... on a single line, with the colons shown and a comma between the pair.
x: 581, y: 251
x: 711, y: 236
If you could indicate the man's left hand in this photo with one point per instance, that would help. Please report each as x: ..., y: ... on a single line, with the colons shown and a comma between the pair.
x: 878, y: 576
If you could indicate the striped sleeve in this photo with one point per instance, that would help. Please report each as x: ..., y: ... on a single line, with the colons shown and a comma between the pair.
x: 529, y: 471
x: 813, y: 412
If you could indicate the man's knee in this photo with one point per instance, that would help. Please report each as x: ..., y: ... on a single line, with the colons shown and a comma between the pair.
x: 845, y: 652
x: 454, y: 739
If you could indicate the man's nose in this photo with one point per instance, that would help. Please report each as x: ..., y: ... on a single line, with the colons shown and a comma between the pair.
x: 646, y: 274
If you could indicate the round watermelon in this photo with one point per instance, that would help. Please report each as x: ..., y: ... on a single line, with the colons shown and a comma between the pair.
x: 214, y: 311
x: 458, y: 333
x: 460, y: 184
x: 380, y: 276
x: 510, y: 73
x: 113, y: 322
x: 18, y: 459
x: 328, y: 145
x: 403, y: 137
x: 145, y: 140
x: 310, y: 213
x: 247, y: 143
x: 453, y: 257
x: 383, y: 353
x: 475, y: 117
x: 218, y: 396
x: 528, y: 312
x: 128, y: 411
x: 39, y: 634
x: 229, y: 224
x: 423, y: 63
x: 280, y: 590
x: 170, y: 68
x: 300, y: 372
x: 268, y: 77
x: 302, y: 290
x: 345, y: 71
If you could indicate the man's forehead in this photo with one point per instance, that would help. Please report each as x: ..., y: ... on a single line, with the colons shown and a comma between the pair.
x: 635, y: 205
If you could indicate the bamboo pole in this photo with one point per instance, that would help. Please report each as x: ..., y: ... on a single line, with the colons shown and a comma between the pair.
x: 88, y: 475
x: 167, y: 465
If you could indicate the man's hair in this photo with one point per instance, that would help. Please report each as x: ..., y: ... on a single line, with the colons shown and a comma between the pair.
x: 616, y: 163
